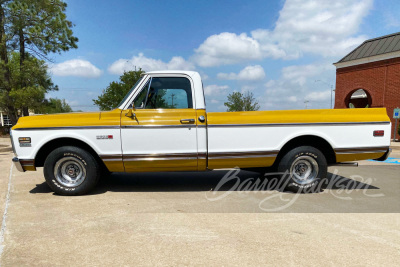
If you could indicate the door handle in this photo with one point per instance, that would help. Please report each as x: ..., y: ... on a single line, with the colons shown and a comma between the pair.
x: 187, y: 121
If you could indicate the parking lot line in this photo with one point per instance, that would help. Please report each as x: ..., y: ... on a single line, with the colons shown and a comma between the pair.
x: 390, y: 160
x: 3, y: 223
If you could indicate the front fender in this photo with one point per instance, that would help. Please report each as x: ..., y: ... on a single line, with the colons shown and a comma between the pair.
x: 39, y: 138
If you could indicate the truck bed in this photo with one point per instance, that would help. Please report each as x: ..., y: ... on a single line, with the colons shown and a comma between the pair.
x: 254, y: 138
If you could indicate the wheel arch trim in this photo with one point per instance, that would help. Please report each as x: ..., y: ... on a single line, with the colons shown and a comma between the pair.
x: 293, y: 139
x: 75, y: 139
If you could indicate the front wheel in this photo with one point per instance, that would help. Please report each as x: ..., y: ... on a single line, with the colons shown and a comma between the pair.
x: 71, y: 171
x: 302, y: 168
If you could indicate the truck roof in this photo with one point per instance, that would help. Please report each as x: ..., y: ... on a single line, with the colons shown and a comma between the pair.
x: 190, y: 73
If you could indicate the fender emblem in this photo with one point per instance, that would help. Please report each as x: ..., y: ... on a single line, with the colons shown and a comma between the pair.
x: 101, y: 137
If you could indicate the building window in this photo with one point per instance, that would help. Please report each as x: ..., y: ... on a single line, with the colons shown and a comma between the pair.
x: 6, y: 120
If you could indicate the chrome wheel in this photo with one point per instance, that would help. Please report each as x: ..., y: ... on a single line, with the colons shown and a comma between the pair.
x: 304, y: 170
x: 69, y: 172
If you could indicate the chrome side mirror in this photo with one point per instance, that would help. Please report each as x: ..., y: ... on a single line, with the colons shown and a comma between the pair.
x: 131, y: 114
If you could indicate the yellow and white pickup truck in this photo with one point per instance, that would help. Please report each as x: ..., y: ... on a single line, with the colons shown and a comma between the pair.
x: 162, y: 125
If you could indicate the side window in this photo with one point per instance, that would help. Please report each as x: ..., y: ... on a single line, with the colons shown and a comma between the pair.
x: 166, y: 93
x: 170, y: 98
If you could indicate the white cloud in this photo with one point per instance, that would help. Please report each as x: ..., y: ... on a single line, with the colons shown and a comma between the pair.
x: 212, y: 90
x: 204, y: 76
x: 325, y: 28
x: 246, y: 88
x: 299, y: 73
x: 72, y: 103
x: 270, y: 83
x: 149, y: 64
x: 319, y: 96
x: 252, y: 73
x: 297, y: 85
x: 227, y: 48
x: 91, y: 93
x: 76, y: 67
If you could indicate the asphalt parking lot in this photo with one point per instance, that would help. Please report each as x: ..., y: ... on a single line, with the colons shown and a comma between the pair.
x: 193, y: 218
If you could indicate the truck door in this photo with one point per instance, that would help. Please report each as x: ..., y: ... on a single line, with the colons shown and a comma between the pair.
x: 160, y: 132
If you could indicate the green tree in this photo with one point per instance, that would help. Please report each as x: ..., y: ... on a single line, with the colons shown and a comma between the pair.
x: 34, y: 29
x: 54, y: 105
x: 5, y: 75
x: 157, y: 99
x: 116, y: 91
x: 40, y: 27
x: 241, y: 102
x: 36, y: 85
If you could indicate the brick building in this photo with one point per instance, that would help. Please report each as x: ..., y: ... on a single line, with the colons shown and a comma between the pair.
x: 369, y: 76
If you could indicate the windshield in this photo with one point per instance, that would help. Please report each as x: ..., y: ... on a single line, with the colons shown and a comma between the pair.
x: 130, y: 91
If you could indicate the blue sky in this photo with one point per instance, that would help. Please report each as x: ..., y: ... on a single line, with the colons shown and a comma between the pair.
x: 282, y: 51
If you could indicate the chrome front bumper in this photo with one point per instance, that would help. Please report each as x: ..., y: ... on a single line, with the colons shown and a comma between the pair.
x: 18, y: 164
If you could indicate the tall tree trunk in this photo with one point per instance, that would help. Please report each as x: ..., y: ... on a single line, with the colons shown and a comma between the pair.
x: 6, y: 70
x: 12, y: 114
x: 21, y: 49
x: 25, y: 110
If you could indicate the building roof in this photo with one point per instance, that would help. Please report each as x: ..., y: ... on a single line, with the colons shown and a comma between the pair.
x: 373, y: 47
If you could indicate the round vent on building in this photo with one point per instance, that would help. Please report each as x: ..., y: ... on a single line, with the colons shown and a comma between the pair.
x: 358, y: 99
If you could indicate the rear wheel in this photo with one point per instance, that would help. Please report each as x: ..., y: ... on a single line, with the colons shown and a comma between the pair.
x: 302, y: 168
x: 71, y: 170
